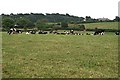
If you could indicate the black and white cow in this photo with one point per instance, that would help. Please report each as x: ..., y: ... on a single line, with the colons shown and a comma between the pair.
x: 72, y: 31
x: 117, y: 33
x: 14, y: 31
x: 42, y: 32
x: 99, y: 32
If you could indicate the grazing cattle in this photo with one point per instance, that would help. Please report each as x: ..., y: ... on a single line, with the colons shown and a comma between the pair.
x: 63, y: 33
x: 117, y: 33
x: 99, y: 32
x: 66, y: 32
x: 87, y: 33
x: 82, y: 34
x: 19, y: 31
x: 32, y: 32
x: 10, y: 31
x: 58, y: 33
x: 42, y: 32
x: 55, y: 32
x: 92, y: 33
x: 72, y: 31
x: 27, y: 33
x: 76, y: 33
x: 14, y: 31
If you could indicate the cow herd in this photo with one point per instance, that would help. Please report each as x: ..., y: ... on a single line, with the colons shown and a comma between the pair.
x: 14, y: 31
x: 70, y: 32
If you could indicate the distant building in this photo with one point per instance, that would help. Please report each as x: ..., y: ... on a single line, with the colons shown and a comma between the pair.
x: 103, y: 19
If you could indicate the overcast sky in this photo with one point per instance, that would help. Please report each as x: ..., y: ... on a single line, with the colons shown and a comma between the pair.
x: 81, y: 8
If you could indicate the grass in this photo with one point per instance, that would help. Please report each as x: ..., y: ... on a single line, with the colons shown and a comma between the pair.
x: 103, y: 25
x: 60, y: 56
x: 100, y: 25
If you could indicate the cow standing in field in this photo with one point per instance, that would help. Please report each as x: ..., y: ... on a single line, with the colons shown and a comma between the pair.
x: 10, y: 31
x: 72, y: 31
x: 67, y: 33
x: 99, y: 32
x: 87, y: 33
x: 32, y: 32
x: 14, y: 31
x: 117, y: 33
x: 42, y: 32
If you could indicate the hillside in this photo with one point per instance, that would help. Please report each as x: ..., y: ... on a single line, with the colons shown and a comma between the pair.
x: 103, y: 25
x: 111, y: 26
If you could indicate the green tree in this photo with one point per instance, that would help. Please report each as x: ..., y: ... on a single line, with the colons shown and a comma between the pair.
x: 24, y: 23
x: 89, y: 19
x: 82, y: 27
x: 8, y: 23
x: 117, y: 19
x: 64, y: 24
x: 41, y: 24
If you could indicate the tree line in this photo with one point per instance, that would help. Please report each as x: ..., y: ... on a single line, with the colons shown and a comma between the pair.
x: 43, y: 21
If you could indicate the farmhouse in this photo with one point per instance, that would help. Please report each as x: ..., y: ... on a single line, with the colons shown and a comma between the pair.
x: 103, y: 19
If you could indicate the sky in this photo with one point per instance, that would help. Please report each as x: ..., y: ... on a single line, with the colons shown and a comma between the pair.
x: 81, y: 8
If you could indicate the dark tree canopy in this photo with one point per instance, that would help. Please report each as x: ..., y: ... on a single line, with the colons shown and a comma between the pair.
x: 64, y: 24
x: 24, y: 22
x: 82, y: 27
x: 8, y: 23
x: 41, y: 21
x: 117, y: 18
x: 42, y: 24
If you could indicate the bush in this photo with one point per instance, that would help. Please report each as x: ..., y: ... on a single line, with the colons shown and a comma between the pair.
x: 82, y: 27
x: 64, y: 24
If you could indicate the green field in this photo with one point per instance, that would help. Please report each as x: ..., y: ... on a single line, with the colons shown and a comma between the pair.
x: 100, y: 25
x: 103, y: 25
x: 60, y: 56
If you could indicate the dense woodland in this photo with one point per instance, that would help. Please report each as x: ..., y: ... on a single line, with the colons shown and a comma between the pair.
x: 46, y: 21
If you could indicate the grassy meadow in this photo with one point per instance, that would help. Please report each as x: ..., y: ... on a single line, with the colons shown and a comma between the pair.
x: 59, y: 56
x: 100, y: 25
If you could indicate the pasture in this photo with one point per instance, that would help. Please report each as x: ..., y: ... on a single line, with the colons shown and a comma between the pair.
x: 100, y: 25
x: 103, y: 25
x: 59, y: 56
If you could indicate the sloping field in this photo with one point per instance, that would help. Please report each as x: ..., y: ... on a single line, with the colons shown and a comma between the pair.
x: 100, y: 25
x: 60, y: 56
x: 103, y: 25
